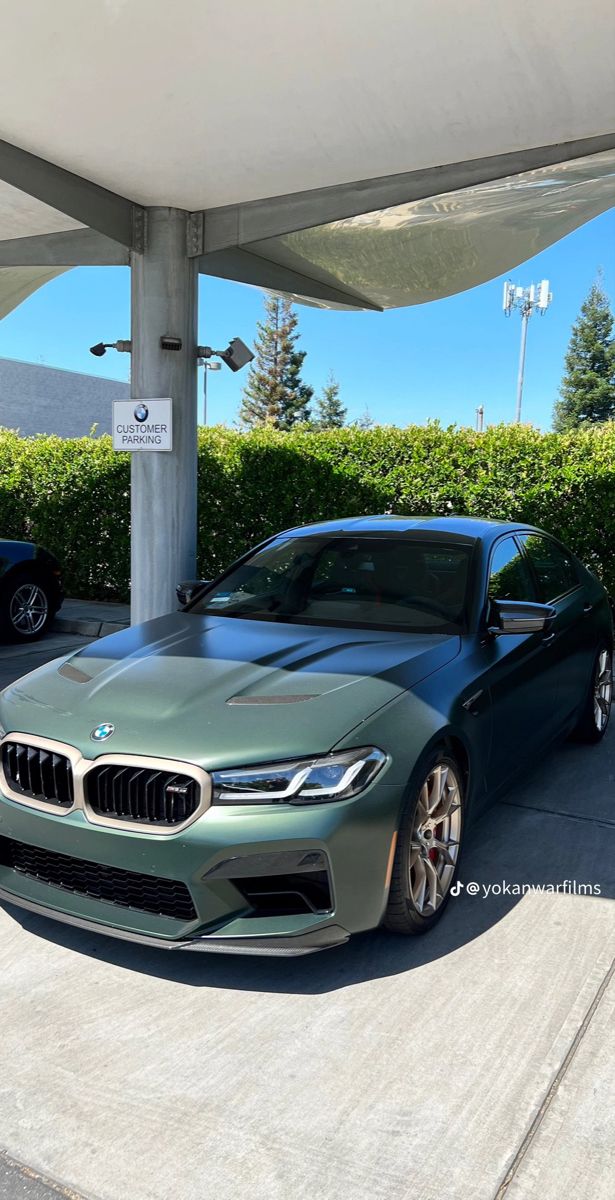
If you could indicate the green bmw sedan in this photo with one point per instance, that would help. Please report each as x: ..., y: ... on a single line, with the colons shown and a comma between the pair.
x: 296, y: 754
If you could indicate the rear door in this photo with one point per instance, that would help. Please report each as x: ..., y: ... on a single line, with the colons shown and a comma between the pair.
x: 572, y: 644
x: 516, y: 672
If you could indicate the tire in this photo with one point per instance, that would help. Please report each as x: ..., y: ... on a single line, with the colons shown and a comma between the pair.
x: 594, y: 719
x: 26, y: 607
x: 415, y: 860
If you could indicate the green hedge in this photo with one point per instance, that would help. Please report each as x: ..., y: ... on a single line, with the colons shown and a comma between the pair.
x: 73, y: 496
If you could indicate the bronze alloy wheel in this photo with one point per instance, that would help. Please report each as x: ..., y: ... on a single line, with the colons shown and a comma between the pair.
x: 428, y: 849
x: 597, y: 707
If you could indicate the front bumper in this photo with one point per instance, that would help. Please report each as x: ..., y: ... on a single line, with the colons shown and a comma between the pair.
x: 353, y: 837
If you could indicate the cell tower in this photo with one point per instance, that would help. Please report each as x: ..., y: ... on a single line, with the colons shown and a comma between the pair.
x: 527, y: 300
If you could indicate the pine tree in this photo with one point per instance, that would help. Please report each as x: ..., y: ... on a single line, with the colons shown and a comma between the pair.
x: 275, y: 394
x: 588, y: 387
x: 331, y: 413
x: 365, y: 421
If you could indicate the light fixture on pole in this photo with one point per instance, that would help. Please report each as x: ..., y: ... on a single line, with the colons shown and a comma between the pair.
x: 207, y: 366
x: 527, y: 300
x: 236, y: 356
x: 124, y: 346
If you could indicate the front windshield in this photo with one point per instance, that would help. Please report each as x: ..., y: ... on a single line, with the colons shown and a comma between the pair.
x: 362, y: 581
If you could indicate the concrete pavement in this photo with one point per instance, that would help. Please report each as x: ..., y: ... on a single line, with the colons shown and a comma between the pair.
x: 477, y: 1062
x: 17, y: 660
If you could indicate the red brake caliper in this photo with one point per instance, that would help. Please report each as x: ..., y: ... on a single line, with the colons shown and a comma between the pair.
x: 433, y: 853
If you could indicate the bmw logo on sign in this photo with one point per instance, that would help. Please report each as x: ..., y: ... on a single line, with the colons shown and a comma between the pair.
x: 102, y: 732
x: 141, y: 412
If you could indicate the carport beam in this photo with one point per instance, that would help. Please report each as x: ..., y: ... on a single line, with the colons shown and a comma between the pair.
x: 164, y: 285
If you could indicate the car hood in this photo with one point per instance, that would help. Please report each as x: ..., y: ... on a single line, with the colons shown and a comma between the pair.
x: 221, y: 691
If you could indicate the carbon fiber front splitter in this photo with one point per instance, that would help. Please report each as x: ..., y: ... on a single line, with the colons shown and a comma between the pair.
x: 288, y: 946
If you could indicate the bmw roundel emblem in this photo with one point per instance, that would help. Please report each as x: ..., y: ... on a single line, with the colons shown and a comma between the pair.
x: 141, y: 412
x: 102, y: 732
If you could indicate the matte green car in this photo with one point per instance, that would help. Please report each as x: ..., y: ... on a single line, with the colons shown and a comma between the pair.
x: 294, y: 756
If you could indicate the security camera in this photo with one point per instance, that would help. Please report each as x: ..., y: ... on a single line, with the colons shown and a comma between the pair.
x: 237, y: 355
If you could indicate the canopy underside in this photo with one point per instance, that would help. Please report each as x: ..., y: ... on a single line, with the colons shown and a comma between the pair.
x: 370, y: 163
x: 403, y: 255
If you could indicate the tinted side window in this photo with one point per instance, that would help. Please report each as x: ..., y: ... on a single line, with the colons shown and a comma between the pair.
x: 510, y: 577
x: 554, y: 567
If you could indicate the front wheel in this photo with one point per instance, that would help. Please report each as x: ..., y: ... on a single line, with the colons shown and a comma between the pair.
x: 597, y: 709
x: 428, y: 848
x: 25, y: 608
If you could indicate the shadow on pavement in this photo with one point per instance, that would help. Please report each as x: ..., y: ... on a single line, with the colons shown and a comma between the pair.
x: 514, y: 843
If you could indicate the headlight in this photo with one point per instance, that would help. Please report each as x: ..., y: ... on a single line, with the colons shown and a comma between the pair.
x: 304, y: 781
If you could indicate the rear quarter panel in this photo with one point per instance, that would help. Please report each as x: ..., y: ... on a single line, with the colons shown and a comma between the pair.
x: 14, y: 553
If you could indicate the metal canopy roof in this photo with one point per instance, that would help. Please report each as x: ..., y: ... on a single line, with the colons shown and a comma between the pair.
x: 352, y: 154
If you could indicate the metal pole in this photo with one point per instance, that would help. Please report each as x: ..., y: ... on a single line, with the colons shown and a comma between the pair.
x: 164, y: 485
x: 205, y: 374
x: 525, y: 316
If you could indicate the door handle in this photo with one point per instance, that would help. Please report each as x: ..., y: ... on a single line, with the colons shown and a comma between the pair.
x: 548, y: 638
x: 587, y: 608
x: 471, y: 704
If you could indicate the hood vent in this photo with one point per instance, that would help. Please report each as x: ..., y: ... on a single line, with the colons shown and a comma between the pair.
x: 271, y: 699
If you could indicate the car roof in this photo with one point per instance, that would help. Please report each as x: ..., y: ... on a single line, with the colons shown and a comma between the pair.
x: 458, y: 529
x: 16, y: 543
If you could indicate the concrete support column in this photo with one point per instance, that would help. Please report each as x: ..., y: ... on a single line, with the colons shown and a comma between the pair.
x: 163, y: 495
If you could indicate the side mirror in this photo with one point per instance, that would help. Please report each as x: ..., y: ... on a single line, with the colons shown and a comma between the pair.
x: 519, y: 616
x: 187, y: 590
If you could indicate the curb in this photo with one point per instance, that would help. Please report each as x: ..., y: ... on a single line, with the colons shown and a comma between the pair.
x: 28, y: 1183
x: 86, y: 627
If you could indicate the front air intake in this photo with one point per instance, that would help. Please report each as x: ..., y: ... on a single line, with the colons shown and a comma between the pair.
x: 127, y: 889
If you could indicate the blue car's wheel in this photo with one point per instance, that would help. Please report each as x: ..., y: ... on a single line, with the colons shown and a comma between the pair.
x: 428, y: 848
x: 25, y: 607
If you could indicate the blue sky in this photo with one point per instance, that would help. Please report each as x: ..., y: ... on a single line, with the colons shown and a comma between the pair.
x: 406, y: 365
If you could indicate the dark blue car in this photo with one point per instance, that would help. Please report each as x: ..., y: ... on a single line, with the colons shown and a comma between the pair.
x: 30, y: 590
